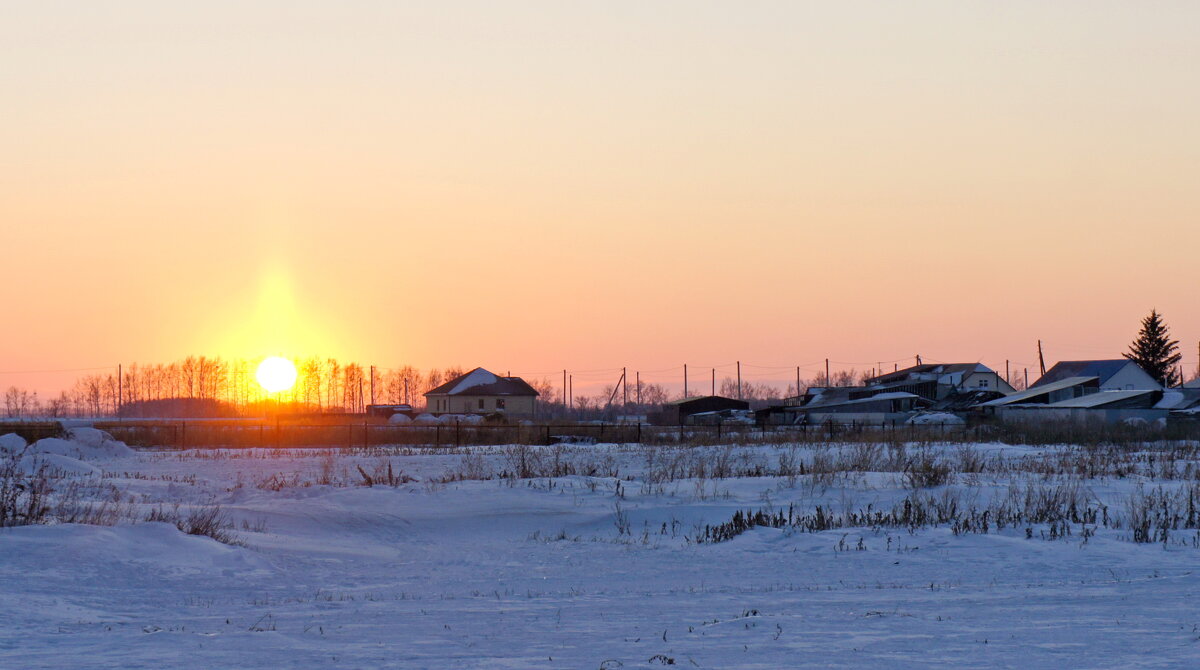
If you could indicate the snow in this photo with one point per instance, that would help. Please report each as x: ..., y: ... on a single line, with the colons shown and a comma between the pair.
x: 12, y: 442
x: 476, y: 377
x: 528, y: 573
x: 399, y: 419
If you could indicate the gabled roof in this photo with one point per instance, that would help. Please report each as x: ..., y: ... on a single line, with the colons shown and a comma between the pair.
x: 482, y: 382
x: 1104, y: 370
x: 1035, y: 391
x: 928, y: 368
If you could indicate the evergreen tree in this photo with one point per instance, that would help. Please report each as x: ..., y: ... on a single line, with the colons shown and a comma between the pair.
x: 1154, y: 350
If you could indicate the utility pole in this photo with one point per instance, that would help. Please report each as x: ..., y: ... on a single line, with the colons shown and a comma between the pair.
x: 565, y: 393
x: 372, y: 384
x: 625, y: 387
x: 827, y: 380
x: 685, y: 395
x: 639, y: 388
x: 1041, y: 360
x: 1007, y: 378
x: 714, y: 382
x: 407, y: 399
x: 797, y: 381
x: 120, y: 389
x: 739, y: 366
x: 1026, y: 378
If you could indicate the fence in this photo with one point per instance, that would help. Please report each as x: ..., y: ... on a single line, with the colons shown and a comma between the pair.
x: 188, y: 435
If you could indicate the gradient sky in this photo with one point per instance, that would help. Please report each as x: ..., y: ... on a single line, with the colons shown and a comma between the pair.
x: 530, y: 186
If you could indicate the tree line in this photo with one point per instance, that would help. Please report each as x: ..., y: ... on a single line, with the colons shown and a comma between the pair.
x: 214, y: 386
x: 227, y: 387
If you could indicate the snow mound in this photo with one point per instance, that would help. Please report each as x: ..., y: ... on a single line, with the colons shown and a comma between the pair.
x: 161, y: 545
x: 12, y: 442
x: 100, y: 441
x: 937, y: 419
x: 82, y: 443
x: 399, y: 420
x: 425, y: 419
x: 1136, y: 422
x: 53, y: 459
x: 56, y: 464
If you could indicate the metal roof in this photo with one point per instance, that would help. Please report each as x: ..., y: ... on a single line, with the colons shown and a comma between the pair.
x: 1033, y: 392
x: 1099, y: 399
x: 1103, y: 370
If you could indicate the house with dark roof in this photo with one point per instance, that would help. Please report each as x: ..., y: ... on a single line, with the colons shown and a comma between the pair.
x: 482, y: 392
x: 1119, y: 374
x: 1117, y: 384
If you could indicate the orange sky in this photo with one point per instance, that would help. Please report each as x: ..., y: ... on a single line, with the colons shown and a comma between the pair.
x: 533, y: 186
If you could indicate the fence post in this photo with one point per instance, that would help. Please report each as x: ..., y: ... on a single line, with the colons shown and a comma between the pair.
x: 437, y: 436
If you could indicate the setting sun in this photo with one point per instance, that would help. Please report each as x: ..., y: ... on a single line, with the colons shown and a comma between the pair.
x: 276, y: 374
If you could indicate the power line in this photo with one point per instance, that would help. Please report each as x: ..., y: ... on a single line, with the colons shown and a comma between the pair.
x: 39, y: 372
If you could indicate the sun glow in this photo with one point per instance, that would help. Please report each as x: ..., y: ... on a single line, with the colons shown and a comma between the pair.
x: 276, y: 374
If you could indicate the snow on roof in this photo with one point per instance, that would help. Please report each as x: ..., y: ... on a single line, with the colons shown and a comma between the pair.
x: 476, y: 377
x: 1171, y: 400
x: 482, y: 382
x: 1021, y: 396
x: 1099, y: 399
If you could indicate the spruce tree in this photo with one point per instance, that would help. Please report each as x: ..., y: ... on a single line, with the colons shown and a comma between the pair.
x: 1154, y: 350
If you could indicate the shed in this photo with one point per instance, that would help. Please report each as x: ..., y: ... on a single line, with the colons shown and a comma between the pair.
x: 676, y: 413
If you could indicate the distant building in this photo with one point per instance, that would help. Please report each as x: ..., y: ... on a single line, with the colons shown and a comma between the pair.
x: 1119, y: 374
x: 386, y: 411
x: 936, y: 381
x: 1070, y: 380
x: 679, y: 412
x: 482, y: 392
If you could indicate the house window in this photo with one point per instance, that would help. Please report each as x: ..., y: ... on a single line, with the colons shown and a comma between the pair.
x: 499, y: 403
x: 481, y: 403
x: 983, y: 383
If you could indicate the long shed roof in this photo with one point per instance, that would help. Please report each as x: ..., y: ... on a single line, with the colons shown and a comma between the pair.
x: 1035, y: 391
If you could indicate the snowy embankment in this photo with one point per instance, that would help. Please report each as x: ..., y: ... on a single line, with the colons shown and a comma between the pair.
x: 590, y: 557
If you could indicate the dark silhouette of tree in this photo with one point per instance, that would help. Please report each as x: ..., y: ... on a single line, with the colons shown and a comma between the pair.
x: 1154, y: 350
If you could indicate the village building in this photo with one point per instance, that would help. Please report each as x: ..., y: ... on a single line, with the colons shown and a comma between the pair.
x: 937, y: 381
x: 682, y: 412
x: 483, y: 392
x: 1068, y: 381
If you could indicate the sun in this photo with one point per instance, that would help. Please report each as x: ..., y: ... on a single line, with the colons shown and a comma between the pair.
x: 276, y: 374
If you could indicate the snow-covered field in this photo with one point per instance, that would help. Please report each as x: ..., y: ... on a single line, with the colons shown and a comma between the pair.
x: 592, y: 560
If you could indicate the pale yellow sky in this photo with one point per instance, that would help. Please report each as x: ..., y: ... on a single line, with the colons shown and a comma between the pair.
x: 533, y: 186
